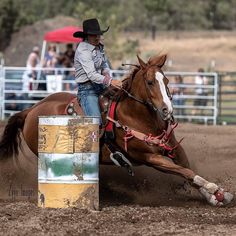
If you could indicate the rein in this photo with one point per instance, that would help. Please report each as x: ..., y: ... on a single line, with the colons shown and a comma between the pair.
x: 160, y: 140
x: 147, y: 103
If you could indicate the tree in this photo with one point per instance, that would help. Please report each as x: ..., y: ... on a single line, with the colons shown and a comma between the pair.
x: 221, y: 14
x: 8, y: 17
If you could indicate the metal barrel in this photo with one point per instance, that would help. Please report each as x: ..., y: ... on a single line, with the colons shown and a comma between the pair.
x: 68, y: 164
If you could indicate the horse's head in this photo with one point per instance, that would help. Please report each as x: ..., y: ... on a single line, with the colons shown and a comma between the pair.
x: 152, y: 86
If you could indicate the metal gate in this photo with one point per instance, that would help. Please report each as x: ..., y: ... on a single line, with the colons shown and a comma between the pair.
x: 227, y: 98
x: 13, y: 97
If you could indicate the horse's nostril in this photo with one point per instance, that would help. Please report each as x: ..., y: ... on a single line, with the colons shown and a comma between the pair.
x: 165, y: 111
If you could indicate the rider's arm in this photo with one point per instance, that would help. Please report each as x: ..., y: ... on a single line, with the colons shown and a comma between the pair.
x: 87, y: 63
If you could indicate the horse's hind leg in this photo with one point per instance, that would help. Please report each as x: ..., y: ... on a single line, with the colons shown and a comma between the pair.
x: 214, y: 194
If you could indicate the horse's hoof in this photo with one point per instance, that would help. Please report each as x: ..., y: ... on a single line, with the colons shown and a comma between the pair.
x: 219, y: 198
x: 228, y: 197
x: 219, y: 195
x: 223, y: 197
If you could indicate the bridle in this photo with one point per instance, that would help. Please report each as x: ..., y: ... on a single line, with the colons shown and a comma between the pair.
x: 160, y: 140
x: 148, y: 103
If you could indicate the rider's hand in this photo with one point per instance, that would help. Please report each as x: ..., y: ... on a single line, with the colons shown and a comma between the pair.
x: 116, y: 83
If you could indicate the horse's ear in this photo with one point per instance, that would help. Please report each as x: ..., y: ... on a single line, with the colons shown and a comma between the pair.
x: 141, y: 63
x: 158, y: 60
x: 161, y: 60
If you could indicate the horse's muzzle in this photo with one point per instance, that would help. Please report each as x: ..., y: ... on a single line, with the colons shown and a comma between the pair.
x: 166, y: 114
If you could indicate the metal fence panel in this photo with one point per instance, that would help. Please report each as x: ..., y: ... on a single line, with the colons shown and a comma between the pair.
x: 15, y: 98
x: 227, y: 98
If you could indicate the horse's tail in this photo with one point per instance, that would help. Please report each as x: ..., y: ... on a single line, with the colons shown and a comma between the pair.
x: 11, y: 140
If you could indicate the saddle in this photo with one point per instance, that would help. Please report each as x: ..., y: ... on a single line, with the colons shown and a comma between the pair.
x: 107, y: 134
x: 73, y: 108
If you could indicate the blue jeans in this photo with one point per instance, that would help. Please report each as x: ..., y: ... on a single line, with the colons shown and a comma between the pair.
x: 88, y: 97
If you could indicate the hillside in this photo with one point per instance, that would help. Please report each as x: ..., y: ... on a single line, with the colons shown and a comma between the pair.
x: 23, y: 41
x: 187, y: 51
x: 191, y: 50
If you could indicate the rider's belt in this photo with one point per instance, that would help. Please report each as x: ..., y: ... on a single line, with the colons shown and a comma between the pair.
x: 86, y: 82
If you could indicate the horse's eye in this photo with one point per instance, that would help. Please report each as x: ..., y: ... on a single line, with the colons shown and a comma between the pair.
x: 150, y: 82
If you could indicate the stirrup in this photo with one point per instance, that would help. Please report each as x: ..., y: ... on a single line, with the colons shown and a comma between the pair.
x: 120, y: 160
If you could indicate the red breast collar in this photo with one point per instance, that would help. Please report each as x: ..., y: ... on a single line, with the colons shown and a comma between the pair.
x: 111, y: 113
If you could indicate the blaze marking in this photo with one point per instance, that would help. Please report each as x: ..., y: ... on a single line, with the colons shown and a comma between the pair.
x: 166, y: 99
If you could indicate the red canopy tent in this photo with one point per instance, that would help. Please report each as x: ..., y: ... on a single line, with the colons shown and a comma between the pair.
x: 62, y: 35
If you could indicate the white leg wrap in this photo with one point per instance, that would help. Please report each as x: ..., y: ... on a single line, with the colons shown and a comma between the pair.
x: 211, y: 187
x: 209, y: 191
x: 210, y: 197
x: 199, y: 181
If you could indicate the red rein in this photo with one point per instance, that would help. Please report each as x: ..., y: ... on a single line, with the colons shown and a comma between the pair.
x: 160, y: 140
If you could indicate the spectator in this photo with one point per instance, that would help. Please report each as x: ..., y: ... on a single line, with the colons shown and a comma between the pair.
x: 50, y: 62
x: 31, y: 73
x: 31, y: 64
x: 50, y: 58
x: 12, y: 106
x: 60, y: 64
x: 70, y: 54
x: 200, y: 91
x: 69, y: 63
x: 178, y: 93
x: 70, y: 85
x: 200, y: 80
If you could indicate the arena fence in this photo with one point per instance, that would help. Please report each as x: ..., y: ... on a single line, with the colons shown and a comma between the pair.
x: 227, y: 98
x: 189, y: 105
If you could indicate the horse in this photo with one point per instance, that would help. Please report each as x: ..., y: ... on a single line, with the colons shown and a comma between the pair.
x: 143, y: 126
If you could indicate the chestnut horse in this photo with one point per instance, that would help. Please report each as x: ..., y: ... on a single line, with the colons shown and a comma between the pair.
x: 143, y: 126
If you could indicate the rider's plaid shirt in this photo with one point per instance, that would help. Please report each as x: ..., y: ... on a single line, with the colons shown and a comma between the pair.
x: 89, y: 63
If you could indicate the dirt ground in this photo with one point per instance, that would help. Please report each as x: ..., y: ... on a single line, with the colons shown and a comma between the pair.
x: 150, y: 203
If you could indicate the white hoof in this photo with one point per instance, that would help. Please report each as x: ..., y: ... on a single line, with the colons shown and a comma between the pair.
x: 211, y: 198
x: 219, y: 198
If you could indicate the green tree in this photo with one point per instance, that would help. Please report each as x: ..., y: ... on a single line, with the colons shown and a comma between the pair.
x: 221, y: 14
x: 8, y: 17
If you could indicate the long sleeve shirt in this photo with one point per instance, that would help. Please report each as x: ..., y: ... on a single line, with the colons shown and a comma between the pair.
x: 90, y: 64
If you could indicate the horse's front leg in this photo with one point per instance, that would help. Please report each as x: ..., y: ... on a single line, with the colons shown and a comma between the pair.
x: 215, y: 195
x: 180, y: 155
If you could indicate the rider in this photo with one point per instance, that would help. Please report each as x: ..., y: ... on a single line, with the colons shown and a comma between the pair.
x: 92, y: 72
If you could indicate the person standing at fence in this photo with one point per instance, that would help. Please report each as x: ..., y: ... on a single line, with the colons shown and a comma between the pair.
x: 31, y: 73
x: 50, y: 59
x: 70, y: 54
x: 32, y: 63
x: 92, y: 72
x: 200, y: 81
x: 178, y: 93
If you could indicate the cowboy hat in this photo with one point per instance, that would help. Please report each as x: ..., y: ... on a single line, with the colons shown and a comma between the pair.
x: 90, y: 26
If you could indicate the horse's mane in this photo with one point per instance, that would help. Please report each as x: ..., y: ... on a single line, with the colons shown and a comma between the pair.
x: 120, y: 94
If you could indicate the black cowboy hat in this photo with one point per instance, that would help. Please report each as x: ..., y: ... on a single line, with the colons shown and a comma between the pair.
x: 90, y: 26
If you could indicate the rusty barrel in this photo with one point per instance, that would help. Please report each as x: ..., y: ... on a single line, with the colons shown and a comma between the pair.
x: 68, y: 162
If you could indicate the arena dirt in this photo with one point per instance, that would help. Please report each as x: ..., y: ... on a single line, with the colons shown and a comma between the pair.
x: 150, y: 203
